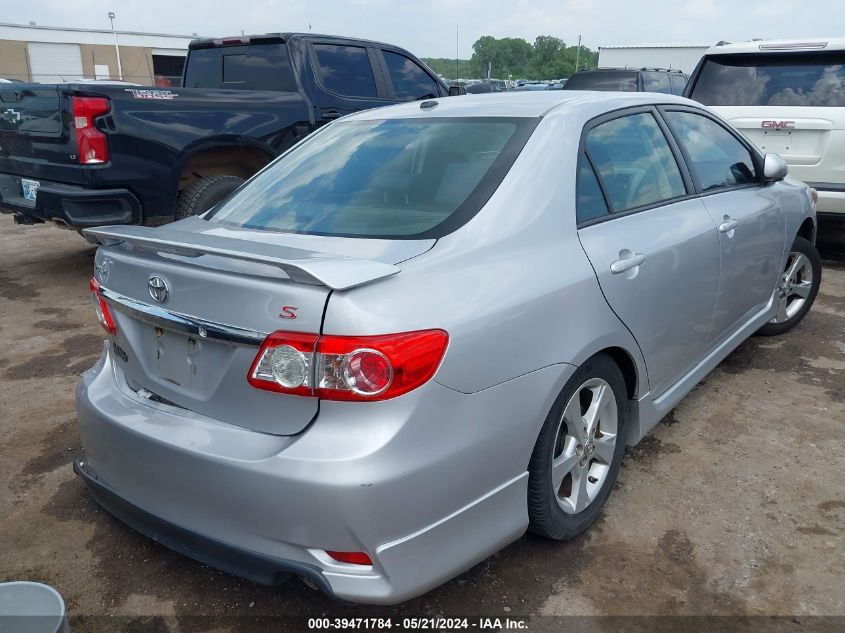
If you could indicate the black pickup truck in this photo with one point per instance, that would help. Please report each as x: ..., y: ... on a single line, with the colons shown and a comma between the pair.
x: 83, y: 155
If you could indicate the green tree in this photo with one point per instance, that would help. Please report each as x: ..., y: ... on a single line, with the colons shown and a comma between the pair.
x: 446, y: 67
x: 548, y: 58
x: 547, y: 48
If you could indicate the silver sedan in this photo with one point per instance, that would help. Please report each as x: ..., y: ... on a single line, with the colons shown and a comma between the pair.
x: 428, y: 328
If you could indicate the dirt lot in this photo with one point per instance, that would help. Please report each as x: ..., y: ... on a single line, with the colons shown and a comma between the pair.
x: 734, y: 505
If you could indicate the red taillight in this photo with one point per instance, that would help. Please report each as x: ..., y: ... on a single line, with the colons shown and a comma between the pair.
x: 91, y: 145
x: 347, y: 367
x: 353, y: 558
x: 283, y: 363
x: 101, y: 309
x: 377, y: 367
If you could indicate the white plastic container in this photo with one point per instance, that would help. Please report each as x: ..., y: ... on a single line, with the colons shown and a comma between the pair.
x: 30, y: 607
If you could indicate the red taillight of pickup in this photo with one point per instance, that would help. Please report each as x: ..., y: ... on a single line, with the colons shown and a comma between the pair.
x: 92, y: 145
x: 363, y: 368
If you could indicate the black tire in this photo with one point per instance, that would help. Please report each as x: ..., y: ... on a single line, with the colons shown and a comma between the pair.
x: 546, y: 516
x: 805, y: 248
x: 204, y: 194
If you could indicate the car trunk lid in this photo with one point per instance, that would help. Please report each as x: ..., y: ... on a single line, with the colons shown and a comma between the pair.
x: 193, y: 346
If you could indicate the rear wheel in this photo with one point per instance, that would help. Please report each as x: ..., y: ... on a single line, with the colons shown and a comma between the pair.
x: 204, y: 194
x: 797, y: 288
x: 577, y: 456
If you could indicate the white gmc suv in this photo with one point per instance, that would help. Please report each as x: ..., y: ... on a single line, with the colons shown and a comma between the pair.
x: 788, y: 97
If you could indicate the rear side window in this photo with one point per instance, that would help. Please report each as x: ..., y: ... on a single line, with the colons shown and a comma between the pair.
x: 634, y: 162
x: 409, y: 80
x: 261, y: 67
x: 253, y: 67
x: 591, y: 204
x: 678, y: 82
x: 203, y: 68
x: 346, y: 70
x: 656, y: 82
x: 718, y: 160
x: 799, y: 79
x: 387, y: 179
x: 605, y: 80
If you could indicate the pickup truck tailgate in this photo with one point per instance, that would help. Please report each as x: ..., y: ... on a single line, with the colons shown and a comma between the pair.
x: 30, y: 111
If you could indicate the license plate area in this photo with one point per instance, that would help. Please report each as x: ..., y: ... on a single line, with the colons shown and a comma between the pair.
x: 176, y: 356
x: 29, y: 189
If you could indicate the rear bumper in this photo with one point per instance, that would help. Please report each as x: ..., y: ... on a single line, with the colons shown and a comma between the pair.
x: 71, y: 205
x: 831, y: 198
x: 256, y: 567
x: 427, y: 484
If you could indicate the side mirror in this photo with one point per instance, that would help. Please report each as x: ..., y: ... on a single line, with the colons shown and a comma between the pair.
x: 455, y: 91
x: 774, y: 168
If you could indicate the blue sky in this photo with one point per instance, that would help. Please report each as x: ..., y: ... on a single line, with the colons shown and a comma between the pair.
x: 427, y: 27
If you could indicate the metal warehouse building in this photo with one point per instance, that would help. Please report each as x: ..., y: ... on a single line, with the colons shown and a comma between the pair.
x: 53, y: 55
x: 674, y: 56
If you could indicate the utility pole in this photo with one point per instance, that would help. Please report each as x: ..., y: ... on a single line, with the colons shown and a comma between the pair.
x: 578, y: 54
x: 116, y: 47
x: 457, y: 54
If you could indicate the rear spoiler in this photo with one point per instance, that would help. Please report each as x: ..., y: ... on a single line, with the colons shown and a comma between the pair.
x: 303, y: 266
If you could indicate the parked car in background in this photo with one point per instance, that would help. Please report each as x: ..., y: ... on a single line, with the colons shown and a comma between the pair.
x: 628, y: 80
x: 478, y: 87
x: 531, y: 85
x: 392, y: 352
x: 90, y: 153
x: 484, y: 86
x: 787, y: 96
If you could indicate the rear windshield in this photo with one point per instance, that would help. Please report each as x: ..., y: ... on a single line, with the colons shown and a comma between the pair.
x: 253, y: 67
x: 605, y: 80
x: 398, y: 178
x: 798, y: 79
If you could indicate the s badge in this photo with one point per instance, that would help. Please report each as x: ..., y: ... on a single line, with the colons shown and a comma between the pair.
x: 288, y: 312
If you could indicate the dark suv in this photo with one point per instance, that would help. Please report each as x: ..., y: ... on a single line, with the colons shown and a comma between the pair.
x: 629, y: 80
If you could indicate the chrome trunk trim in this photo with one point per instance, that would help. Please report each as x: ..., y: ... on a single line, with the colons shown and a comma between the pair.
x: 175, y: 321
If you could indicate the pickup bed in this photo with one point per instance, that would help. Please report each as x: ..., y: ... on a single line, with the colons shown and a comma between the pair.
x: 83, y: 155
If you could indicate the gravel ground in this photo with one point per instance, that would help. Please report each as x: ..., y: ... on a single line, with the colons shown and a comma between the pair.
x: 734, y: 505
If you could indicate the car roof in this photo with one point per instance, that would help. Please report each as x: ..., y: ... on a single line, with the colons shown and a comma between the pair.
x: 604, y: 69
x: 809, y: 44
x: 518, y: 104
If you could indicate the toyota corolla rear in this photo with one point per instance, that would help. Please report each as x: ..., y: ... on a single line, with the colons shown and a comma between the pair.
x: 229, y: 421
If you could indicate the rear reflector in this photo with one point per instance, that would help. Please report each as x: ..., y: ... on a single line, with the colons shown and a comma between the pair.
x: 353, y: 558
x: 101, y: 309
x: 347, y: 367
x: 91, y: 144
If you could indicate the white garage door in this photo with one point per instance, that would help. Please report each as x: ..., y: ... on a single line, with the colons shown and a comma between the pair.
x: 54, y: 63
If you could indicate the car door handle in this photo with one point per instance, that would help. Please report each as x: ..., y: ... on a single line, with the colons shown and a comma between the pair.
x: 621, y: 265
x: 728, y: 225
x: 330, y: 115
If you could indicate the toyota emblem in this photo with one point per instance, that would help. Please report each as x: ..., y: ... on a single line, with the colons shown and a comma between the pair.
x: 158, y: 288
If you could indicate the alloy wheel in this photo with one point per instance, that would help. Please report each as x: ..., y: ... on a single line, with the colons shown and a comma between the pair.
x: 585, y: 445
x: 795, y: 286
